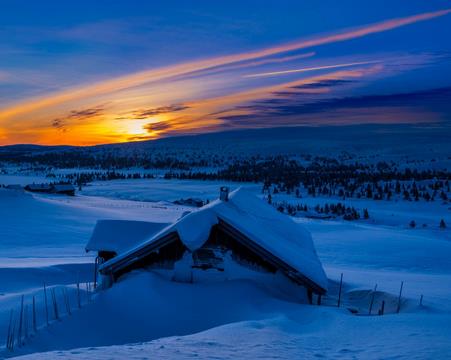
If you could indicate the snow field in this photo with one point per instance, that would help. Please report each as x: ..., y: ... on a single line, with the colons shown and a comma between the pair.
x: 146, y: 316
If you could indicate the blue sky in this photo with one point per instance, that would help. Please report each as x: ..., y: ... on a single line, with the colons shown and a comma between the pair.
x: 90, y: 72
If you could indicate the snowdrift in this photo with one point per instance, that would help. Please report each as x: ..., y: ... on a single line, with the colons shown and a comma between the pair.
x: 167, y: 320
x: 146, y: 306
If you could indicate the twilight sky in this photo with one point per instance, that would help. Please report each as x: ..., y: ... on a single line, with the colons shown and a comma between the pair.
x: 90, y: 72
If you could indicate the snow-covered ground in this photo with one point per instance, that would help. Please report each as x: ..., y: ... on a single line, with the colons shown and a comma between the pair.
x: 393, y: 213
x: 160, y: 189
x: 243, y: 321
x: 55, y: 226
x: 147, y: 316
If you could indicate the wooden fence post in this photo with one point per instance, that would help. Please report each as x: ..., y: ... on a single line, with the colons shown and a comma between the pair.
x: 25, y: 320
x: 339, y: 291
x: 10, y: 326
x: 399, y: 297
x: 55, y: 304
x: 35, y: 326
x: 12, y: 333
x: 46, y: 306
x: 372, y: 300
x: 66, y: 301
x: 19, y: 334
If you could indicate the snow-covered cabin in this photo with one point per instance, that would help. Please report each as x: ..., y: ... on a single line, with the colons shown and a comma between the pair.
x: 239, y: 226
x: 44, y: 188
x: 65, y: 189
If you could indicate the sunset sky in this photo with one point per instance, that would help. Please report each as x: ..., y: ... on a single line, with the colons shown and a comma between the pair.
x: 92, y: 72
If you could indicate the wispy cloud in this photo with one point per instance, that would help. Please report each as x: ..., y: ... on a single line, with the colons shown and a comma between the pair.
x: 250, y: 64
x: 59, y: 124
x: 146, y: 113
x: 75, y: 116
x: 86, y: 113
x: 314, y: 68
x: 294, y: 108
x: 324, y: 83
x: 156, y: 127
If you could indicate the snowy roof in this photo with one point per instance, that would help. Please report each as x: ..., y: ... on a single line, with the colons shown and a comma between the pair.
x: 63, y: 187
x: 121, y: 235
x: 39, y: 186
x: 261, y: 223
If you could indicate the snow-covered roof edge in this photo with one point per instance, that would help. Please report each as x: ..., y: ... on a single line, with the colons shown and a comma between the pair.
x: 120, y: 236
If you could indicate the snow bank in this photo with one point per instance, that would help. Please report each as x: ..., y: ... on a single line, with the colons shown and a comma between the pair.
x: 155, y: 318
x: 145, y: 306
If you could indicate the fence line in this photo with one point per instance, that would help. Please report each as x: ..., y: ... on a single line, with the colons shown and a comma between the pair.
x: 25, y: 327
x: 23, y: 324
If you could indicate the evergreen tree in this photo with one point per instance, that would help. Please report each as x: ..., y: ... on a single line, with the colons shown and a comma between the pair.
x: 398, y: 187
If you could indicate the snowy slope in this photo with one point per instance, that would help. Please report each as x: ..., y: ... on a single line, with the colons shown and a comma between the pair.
x: 156, y: 318
x: 259, y: 325
x: 61, y: 225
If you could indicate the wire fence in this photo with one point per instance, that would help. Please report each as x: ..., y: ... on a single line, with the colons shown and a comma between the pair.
x: 29, y: 318
x: 378, y: 302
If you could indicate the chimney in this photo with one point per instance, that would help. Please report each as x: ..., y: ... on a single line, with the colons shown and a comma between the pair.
x: 224, y: 193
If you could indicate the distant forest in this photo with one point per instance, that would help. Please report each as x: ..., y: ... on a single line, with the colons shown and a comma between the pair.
x: 282, y: 173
